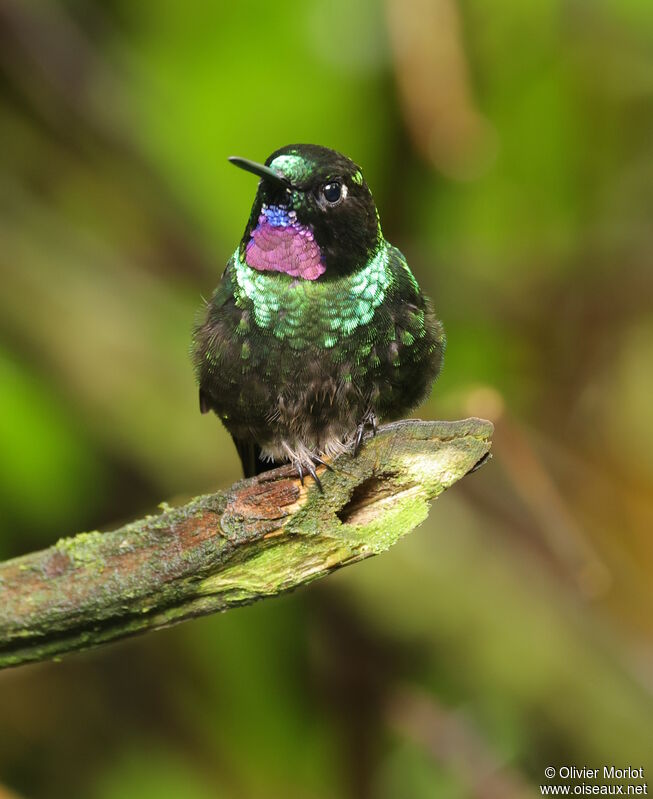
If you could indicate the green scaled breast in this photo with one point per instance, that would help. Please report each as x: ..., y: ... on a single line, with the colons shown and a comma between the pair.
x: 318, y: 312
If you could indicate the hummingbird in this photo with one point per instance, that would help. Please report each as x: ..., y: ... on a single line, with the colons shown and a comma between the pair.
x: 317, y: 329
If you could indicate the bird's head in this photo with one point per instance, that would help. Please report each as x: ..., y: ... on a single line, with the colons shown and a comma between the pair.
x: 313, y: 217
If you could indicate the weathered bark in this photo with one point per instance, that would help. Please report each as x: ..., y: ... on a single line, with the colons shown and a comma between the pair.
x: 261, y: 537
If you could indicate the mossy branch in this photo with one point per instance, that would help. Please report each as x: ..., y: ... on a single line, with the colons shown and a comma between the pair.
x: 261, y: 537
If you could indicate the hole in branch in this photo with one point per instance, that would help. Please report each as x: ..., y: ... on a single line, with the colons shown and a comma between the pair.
x: 369, y: 492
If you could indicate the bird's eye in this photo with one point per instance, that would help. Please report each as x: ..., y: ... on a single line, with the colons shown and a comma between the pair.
x: 332, y: 192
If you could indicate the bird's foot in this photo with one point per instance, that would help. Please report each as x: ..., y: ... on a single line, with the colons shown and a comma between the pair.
x: 369, y: 420
x: 304, y: 462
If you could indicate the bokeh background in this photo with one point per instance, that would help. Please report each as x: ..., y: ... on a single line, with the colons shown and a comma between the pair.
x: 509, y: 146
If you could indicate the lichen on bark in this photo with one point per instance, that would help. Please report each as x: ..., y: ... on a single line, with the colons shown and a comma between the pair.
x: 260, y: 538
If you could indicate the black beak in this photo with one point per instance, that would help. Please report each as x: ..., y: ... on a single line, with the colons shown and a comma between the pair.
x: 261, y: 170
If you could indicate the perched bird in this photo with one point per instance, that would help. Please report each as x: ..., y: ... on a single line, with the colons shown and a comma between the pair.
x: 318, y: 328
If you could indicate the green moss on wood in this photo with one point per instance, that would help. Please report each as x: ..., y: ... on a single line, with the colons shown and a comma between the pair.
x: 262, y: 537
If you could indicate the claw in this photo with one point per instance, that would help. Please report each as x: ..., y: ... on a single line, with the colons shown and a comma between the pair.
x: 368, y: 420
x: 327, y: 466
x: 360, y: 432
x: 313, y: 473
x: 303, y: 462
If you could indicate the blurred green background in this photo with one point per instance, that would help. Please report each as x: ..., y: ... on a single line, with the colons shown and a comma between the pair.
x: 509, y: 146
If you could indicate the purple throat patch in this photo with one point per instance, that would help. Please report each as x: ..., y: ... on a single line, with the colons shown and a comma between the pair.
x: 280, y: 244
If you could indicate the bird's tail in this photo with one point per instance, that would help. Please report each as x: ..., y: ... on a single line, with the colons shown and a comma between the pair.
x: 250, y: 456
